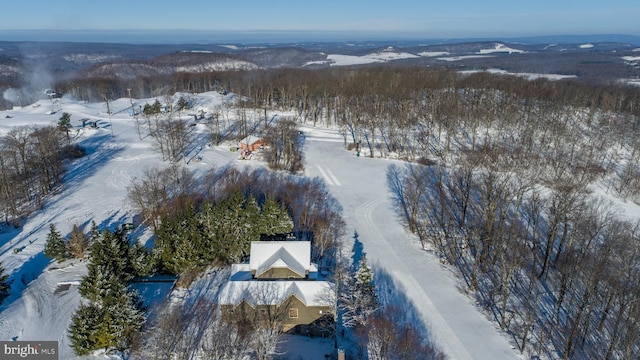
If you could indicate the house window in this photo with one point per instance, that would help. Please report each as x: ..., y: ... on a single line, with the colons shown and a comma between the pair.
x: 293, y: 313
x: 230, y: 311
x: 263, y: 311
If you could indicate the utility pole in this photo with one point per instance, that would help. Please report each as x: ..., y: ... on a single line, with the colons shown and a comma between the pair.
x: 106, y: 99
x: 131, y: 100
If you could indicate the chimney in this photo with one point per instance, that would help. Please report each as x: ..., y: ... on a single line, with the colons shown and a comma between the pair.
x: 341, y: 354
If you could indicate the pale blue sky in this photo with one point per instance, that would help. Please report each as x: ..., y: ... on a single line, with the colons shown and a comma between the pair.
x: 398, y: 18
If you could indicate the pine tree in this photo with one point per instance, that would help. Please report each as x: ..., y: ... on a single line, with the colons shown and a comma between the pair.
x: 94, y: 234
x: 96, y: 285
x: 64, y: 123
x: 5, y: 284
x: 141, y: 260
x: 114, y: 314
x: 83, y: 329
x: 231, y: 229
x: 55, y: 247
x: 365, y: 287
x: 359, y: 299
x: 275, y: 218
x: 127, y: 317
x: 249, y: 223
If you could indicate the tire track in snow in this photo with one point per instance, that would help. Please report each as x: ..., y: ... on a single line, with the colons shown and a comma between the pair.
x: 364, y: 213
x: 328, y: 176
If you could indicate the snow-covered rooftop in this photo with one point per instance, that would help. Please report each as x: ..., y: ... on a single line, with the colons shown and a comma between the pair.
x: 250, y: 140
x: 294, y: 255
x: 310, y: 293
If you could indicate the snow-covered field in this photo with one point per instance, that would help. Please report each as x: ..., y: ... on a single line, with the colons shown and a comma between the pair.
x: 44, y: 293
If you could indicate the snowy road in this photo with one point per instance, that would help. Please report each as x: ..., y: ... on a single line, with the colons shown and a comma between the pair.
x: 430, y: 290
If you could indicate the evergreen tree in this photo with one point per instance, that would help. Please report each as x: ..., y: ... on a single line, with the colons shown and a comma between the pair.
x: 55, y: 247
x: 64, y: 123
x: 5, y: 284
x: 231, y: 230
x: 182, y: 103
x: 359, y: 299
x: 83, y: 329
x: 250, y: 223
x: 127, y: 317
x: 365, y: 287
x: 114, y: 314
x: 141, y: 260
x: 180, y: 245
x: 112, y: 258
x: 94, y: 234
x: 275, y: 218
x: 96, y: 285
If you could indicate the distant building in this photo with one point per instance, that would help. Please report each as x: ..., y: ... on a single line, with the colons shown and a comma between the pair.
x: 251, y: 143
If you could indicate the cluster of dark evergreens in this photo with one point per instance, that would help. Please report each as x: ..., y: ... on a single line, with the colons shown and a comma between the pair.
x: 113, y: 314
x: 217, y: 233
x: 214, y: 219
x: 5, y: 285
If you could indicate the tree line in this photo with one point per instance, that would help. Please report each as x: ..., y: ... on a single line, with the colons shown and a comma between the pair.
x: 32, y: 165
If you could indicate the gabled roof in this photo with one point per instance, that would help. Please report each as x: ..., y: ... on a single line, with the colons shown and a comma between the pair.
x: 250, y: 140
x: 310, y: 293
x: 293, y: 255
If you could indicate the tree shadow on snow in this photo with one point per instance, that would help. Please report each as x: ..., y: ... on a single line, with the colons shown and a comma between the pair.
x: 392, y: 295
x: 99, y: 151
x: 357, y: 251
x: 23, y: 276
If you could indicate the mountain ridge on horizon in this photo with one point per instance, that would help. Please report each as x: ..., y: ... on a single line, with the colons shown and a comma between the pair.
x: 174, y: 37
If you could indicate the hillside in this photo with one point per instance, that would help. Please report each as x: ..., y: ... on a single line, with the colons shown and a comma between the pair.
x: 593, y: 62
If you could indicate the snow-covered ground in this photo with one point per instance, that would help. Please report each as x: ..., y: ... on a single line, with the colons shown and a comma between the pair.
x: 384, y: 55
x: 409, y: 276
x: 44, y: 294
x: 500, y: 48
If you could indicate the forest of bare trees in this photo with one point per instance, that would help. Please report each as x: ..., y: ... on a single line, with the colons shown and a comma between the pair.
x: 512, y: 182
x: 31, y: 166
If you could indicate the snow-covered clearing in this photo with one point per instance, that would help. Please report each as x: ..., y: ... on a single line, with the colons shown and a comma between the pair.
x: 44, y: 294
x: 463, y: 57
x: 433, y: 53
x: 500, y: 48
x: 377, y: 57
